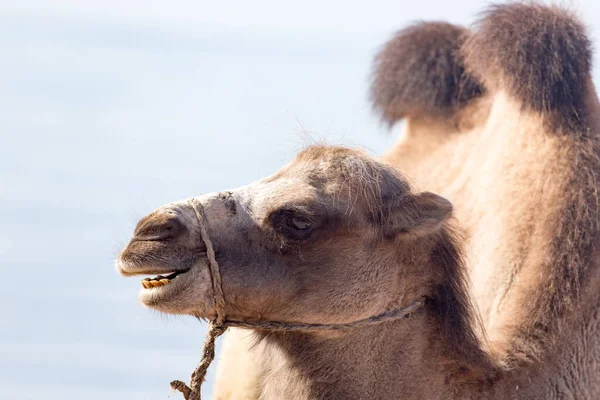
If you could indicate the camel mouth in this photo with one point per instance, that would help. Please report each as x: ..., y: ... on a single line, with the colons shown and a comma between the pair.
x: 171, y: 275
x: 182, y: 291
x: 161, y: 280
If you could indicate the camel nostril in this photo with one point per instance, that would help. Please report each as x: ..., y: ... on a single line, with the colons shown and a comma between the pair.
x: 159, y: 228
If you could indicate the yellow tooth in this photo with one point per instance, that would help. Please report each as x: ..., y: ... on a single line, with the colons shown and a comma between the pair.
x: 156, y: 283
x: 164, y: 281
x: 146, y: 284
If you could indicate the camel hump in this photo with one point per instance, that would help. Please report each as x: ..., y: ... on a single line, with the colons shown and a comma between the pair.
x: 420, y: 72
x: 538, y: 54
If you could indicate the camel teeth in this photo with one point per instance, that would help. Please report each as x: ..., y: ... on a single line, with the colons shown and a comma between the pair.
x: 149, y: 283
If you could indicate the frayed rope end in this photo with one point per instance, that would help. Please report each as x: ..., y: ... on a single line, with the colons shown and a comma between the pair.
x: 183, y: 388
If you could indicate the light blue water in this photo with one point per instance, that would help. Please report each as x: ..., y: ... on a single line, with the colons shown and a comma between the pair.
x: 101, y: 121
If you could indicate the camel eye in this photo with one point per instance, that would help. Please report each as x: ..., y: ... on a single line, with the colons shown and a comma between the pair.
x: 300, y: 224
x: 295, y: 224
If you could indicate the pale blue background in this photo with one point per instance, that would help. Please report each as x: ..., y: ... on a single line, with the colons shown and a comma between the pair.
x: 109, y: 109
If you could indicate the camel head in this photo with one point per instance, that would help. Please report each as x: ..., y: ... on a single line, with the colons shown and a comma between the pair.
x: 332, y: 237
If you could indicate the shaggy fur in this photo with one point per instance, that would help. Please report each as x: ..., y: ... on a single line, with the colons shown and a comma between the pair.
x: 420, y: 72
x: 541, y: 55
x: 524, y: 184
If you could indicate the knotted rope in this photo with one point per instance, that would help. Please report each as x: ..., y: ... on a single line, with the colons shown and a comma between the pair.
x: 219, y: 324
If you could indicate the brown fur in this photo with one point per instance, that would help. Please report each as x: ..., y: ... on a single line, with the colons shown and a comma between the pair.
x: 420, y: 72
x: 373, y: 245
x: 521, y: 169
x: 540, y: 55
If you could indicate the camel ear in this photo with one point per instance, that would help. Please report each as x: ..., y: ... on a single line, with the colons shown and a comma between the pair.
x: 417, y: 215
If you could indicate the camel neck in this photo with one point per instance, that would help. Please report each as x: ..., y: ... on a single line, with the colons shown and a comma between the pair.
x: 369, y: 362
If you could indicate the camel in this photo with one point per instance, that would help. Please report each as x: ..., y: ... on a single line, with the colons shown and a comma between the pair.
x: 487, y: 207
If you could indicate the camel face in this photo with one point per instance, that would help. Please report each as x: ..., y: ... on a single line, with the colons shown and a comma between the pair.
x: 306, y: 244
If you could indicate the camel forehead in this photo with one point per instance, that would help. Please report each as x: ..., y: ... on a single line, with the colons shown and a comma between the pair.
x: 321, y: 167
x: 317, y: 174
x: 280, y: 192
x: 293, y: 185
